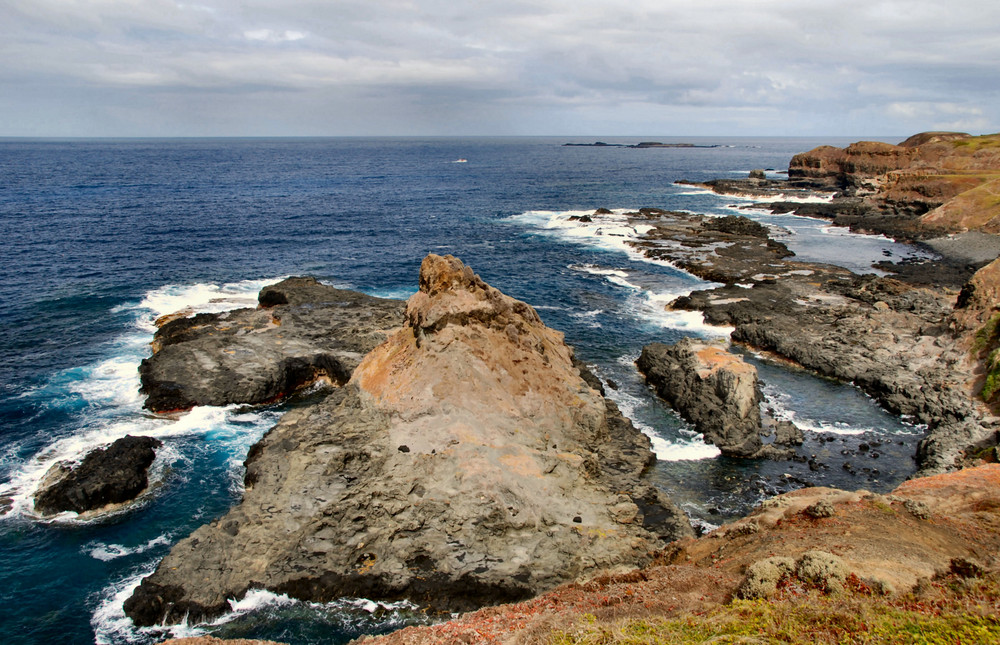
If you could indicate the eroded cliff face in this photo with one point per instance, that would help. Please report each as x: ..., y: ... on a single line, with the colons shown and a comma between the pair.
x: 467, y: 462
x: 932, y: 183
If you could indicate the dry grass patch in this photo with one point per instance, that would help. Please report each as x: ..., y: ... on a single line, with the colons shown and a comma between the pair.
x: 949, y: 611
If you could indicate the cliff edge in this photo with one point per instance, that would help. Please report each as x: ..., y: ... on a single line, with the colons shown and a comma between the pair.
x: 931, y: 184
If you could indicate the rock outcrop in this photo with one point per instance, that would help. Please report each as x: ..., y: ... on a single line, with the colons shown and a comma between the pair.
x: 713, y: 389
x: 891, y: 339
x: 106, y: 476
x: 303, y: 331
x: 932, y: 183
x: 934, y: 537
x: 467, y: 462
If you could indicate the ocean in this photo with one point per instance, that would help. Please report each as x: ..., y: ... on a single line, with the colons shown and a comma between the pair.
x: 103, y: 236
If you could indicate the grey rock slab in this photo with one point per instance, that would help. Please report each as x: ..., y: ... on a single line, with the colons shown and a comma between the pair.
x: 304, y: 331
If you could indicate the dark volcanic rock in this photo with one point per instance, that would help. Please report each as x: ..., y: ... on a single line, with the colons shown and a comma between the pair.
x: 303, y: 332
x: 517, y: 475
x: 713, y: 389
x: 112, y: 475
x: 890, y: 338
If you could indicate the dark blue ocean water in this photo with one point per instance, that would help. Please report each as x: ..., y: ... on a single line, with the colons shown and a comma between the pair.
x: 102, y: 236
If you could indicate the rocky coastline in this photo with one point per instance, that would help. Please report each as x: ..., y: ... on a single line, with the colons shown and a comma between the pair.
x: 904, y: 338
x: 894, y: 340
x: 412, y: 500
x: 467, y: 461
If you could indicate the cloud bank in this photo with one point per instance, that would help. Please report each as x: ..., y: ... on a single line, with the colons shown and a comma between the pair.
x: 435, y: 67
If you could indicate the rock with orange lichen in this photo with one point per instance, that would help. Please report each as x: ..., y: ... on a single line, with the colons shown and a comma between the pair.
x: 468, y: 462
x: 715, y: 390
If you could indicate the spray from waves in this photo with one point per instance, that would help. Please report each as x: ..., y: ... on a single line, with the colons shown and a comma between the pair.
x: 103, y: 403
x: 609, y: 231
x: 791, y: 196
x: 868, y: 418
x: 345, y: 615
x: 108, y: 552
x: 650, y: 302
x: 686, y: 446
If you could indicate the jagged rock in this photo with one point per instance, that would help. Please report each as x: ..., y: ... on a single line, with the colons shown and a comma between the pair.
x: 713, y: 389
x: 303, y: 332
x: 518, y: 475
x: 112, y: 475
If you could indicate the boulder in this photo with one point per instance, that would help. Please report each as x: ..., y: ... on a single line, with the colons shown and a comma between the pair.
x: 466, y: 463
x: 303, y: 332
x: 713, y: 389
x: 113, y: 475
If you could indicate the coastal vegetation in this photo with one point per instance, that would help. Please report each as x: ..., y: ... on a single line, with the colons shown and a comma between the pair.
x: 946, y: 611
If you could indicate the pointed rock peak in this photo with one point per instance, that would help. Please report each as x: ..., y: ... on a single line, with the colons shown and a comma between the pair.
x: 451, y: 294
x: 438, y: 274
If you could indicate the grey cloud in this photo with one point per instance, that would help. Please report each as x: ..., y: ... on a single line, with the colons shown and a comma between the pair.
x: 761, y: 67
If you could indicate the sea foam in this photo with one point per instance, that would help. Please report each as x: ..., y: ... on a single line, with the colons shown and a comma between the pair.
x: 104, y: 403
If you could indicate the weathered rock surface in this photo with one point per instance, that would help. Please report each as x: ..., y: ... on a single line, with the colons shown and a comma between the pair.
x: 891, y: 339
x: 876, y: 540
x: 113, y: 475
x: 304, y: 331
x: 713, y: 389
x: 467, y: 462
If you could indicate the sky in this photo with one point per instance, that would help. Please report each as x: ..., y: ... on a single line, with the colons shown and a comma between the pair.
x: 498, y: 67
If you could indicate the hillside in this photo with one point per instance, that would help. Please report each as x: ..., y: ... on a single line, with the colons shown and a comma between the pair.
x: 930, y: 184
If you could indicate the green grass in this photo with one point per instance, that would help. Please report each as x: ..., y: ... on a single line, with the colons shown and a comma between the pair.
x: 958, y: 612
x: 987, y: 339
x: 977, y: 143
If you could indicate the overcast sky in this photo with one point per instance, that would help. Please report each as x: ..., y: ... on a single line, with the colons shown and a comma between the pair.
x: 498, y: 67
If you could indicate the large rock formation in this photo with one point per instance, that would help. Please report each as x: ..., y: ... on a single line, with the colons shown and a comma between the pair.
x: 304, y: 331
x: 713, y: 389
x: 932, y: 183
x: 467, y: 462
x: 106, y: 476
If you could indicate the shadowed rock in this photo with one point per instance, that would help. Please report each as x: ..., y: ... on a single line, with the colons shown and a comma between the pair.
x: 713, y: 389
x: 112, y: 475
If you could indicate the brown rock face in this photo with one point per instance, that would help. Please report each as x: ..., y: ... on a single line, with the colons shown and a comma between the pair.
x: 466, y: 463
x: 713, y: 389
x: 934, y: 182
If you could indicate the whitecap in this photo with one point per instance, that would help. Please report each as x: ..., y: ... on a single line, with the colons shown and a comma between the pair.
x: 103, y: 398
x: 108, y: 552
x: 688, y: 445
